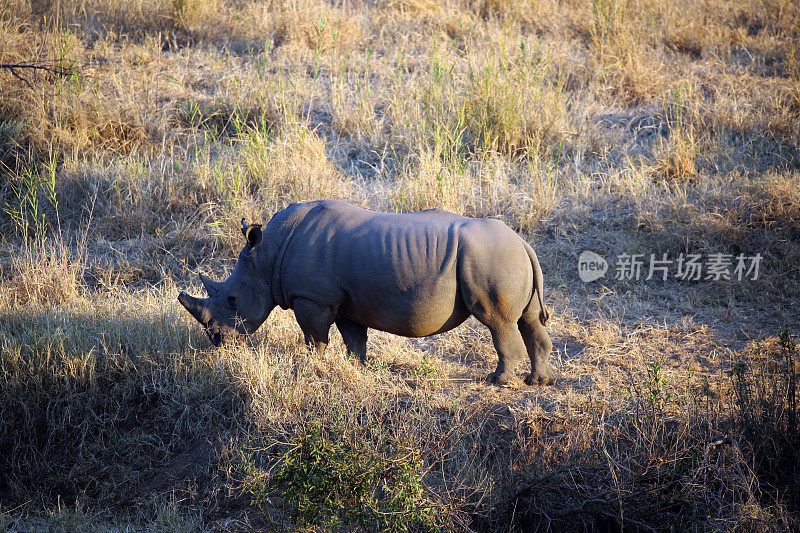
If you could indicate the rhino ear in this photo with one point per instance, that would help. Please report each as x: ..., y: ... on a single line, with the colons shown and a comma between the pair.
x: 253, y: 235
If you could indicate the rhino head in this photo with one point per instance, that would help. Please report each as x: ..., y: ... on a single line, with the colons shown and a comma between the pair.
x: 240, y: 304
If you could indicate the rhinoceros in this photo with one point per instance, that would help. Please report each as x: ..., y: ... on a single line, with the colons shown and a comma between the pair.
x: 412, y: 274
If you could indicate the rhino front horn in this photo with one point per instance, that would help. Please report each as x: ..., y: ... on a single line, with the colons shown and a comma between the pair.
x: 195, y: 307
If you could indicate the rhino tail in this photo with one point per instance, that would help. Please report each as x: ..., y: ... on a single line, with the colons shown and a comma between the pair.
x: 538, y: 284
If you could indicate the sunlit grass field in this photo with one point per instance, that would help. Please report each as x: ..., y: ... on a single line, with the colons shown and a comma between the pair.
x: 136, y: 134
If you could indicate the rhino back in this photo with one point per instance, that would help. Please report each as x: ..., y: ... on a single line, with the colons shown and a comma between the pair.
x: 394, y: 272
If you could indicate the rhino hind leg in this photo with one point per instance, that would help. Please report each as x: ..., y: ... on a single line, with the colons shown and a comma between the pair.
x: 315, y: 320
x: 539, y: 346
x: 355, y: 338
x: 510, y: 351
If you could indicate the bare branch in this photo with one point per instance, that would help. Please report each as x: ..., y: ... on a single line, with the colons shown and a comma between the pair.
x: 52, y: 69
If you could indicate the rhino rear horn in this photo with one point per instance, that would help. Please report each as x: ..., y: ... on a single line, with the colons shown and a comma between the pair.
x: 195, y: 306
x: 212, y: 287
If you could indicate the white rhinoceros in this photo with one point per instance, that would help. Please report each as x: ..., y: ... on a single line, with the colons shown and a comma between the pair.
x: 414, y: 274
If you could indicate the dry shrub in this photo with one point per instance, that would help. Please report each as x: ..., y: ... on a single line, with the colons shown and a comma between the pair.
x: 292, y: 166
x: 176, y: 22
x: 355, y: 118
x: 45, y: 274
x: 317, y: 26
x: 522, y: 11
x: 504, y: 100
x: 682, y: 29
x: 785, y: 115
x: 675, y: 157
x: 765, y: 418
x: 777, y: 17
x: 268, y: 171
x: 486, y: 188
x: 438, y: 179
x: 120, y: 19
x: 769, y: 202
x: 779, y: 200
x: 762, y: 135
x: 533, y: 203
x: 625, y: 64
x: 642, y: 466
x: 689, y: 39
x: 236, y: 25
x: 512, y: 105
x: 415, y: 7
x: 353, y: 109
x: 199, y: 16
x: 220, y: 116
x: 60, y: 109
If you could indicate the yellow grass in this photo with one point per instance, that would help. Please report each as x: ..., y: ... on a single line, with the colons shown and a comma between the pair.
x: 617, y: 126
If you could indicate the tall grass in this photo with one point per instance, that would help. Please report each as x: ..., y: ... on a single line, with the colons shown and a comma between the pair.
x: 612, y: 125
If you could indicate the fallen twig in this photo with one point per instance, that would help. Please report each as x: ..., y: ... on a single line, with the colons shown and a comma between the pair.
x: 52, y: 69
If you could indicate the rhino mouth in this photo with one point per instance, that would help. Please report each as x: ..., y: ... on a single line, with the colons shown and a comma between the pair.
x: 218, y: 333
x: 215, y: 336
x: 197, y: 308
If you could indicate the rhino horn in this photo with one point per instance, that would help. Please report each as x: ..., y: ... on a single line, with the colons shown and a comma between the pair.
x: 195, y: 306
x: 212, y: 287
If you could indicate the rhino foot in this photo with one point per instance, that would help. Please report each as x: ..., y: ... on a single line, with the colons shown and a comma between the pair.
x: 362, y: 357
x: 540, y: 378
x: 499, y: 379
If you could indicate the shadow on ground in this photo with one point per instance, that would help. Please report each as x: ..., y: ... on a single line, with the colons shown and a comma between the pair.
x: 113, y: 409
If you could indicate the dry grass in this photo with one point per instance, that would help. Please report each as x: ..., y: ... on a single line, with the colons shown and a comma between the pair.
x: 617, y: 126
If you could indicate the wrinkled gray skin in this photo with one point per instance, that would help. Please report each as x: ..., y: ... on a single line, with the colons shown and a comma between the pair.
x: 415, y: 275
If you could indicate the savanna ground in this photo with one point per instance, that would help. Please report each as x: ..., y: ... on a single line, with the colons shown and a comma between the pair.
x: 617, y: 126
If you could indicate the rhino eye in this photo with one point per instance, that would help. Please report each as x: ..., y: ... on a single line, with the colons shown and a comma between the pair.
x: 231, y: 302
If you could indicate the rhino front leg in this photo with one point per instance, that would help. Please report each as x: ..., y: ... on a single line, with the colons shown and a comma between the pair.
x: 355, y: 338
x: 315, y: 320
